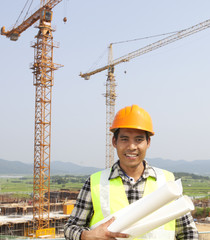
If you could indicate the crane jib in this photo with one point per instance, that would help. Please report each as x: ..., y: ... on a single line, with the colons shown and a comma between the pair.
x: 14, y: 33
x: 163, y: 42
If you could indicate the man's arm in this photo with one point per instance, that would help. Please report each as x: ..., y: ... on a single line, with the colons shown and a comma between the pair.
x: 81, y: 214
x: 185, y: 228
x: 77, y: 227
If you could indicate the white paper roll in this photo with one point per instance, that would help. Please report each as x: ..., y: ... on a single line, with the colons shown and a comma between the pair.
x: 145, y: 206
x: 132, y: 213
x: 160, y: 217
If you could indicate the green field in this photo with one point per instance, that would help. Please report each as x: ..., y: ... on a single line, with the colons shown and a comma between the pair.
x: 193, y: 185
x: 25, y: 184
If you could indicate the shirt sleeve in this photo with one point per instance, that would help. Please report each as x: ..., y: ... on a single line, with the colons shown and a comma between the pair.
x: 186, y: 228
x: 81, y: 214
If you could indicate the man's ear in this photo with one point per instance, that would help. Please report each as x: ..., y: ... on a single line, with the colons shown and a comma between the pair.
x: 148, y: 142
x: 114, y: 141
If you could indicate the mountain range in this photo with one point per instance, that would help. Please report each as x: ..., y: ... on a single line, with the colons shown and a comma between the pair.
x: 199, y: 167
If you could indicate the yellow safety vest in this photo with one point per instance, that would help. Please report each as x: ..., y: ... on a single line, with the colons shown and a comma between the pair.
x: 108, y: 197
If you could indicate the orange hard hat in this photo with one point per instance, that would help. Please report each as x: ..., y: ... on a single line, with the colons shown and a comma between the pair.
x: 133, y: 117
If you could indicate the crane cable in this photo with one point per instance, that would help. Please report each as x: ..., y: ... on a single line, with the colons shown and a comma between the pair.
x: 22, y: 12
x: 97, y: 61
x: 28, y: 10
x: 131, y: 40
x: 143, y: 38
x: 65, y: 10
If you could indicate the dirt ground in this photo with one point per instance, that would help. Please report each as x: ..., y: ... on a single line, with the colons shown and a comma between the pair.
x: 203, y: 227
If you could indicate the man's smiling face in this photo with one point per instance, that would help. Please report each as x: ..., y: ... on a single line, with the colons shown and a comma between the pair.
x: 131, y: 146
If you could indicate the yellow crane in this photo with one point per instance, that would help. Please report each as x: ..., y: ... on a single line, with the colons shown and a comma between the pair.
x: 111, y: 84
x: 43, y: 70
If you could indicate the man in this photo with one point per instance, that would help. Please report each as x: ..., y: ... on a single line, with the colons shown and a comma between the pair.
x: 129, y: 179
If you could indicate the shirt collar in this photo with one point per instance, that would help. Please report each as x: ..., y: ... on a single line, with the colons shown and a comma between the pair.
x: 116, y: 171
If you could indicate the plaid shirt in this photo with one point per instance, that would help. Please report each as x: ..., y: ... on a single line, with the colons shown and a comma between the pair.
x: 83, y: 210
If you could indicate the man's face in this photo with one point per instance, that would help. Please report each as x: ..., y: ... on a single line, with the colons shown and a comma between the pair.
x: 131, y: 147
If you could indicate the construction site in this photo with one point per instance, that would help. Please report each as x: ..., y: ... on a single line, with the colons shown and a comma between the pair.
x: 46, y: 214
x: 16, y: 215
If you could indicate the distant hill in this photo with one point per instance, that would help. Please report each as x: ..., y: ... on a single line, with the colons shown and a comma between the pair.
x: 71, y: 168
x: 200, y: 167
x: 20, y: 168
x: 14, y: 167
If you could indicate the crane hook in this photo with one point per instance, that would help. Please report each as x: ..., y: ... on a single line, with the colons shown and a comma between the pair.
x: 65, y: 19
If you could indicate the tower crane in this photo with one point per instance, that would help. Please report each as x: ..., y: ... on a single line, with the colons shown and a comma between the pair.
x: 110, y: 94
x: 43, y: 71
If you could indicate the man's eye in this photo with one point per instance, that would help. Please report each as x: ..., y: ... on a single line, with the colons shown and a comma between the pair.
x: 139, y: 139
x: 124, y: 139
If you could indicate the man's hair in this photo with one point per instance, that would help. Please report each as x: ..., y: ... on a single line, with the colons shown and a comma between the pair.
x: 116, y: 133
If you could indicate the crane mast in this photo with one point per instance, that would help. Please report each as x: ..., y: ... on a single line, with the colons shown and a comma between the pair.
x: 43, y: 80
x: 110, y: 96
x: 111, y: 85
x: 43, y: 69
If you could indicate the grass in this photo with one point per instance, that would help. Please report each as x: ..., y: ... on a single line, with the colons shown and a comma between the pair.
x: 24, y: 185
x: 196, y: 187
x: 16, y: 185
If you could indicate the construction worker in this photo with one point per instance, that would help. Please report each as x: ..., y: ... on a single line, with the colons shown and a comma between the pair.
x: 129, y: 179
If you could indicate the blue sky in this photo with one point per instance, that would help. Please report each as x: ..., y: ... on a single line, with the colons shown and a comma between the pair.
x: 171, y: 83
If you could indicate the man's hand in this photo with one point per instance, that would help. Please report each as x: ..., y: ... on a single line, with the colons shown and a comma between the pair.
x: 101, y: 233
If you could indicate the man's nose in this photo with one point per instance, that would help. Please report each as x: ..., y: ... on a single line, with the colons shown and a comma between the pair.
x: 132, y: 145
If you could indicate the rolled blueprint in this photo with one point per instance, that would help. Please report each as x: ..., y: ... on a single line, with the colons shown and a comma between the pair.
x: 145, y: 206
x: 132, y: 213
x: 160, y: 217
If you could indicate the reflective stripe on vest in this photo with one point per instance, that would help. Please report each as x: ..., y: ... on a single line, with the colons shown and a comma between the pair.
x: 109, y: 196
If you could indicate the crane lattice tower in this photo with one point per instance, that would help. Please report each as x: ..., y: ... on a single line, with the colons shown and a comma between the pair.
x: 110, y: 111
x: 110, y: 96
x: 43, y: 69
